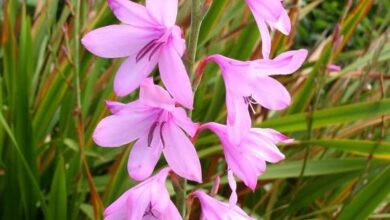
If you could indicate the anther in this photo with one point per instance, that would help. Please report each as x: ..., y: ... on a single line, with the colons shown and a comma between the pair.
x: 161, y: 134
x: 141, y: 54
x: 151, y: 131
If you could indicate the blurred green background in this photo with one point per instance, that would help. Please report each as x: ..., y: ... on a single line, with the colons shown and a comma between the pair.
x: 52, y: 94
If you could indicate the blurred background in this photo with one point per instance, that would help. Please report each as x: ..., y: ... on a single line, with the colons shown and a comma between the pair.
x: 52, y: 94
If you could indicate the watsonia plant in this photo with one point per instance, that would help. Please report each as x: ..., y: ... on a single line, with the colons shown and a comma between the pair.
x: 52, y: 93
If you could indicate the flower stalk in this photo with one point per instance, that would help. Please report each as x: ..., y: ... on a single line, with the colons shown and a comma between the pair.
x: 197, y: 14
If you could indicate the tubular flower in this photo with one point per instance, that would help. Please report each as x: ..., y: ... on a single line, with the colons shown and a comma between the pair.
x: 148, y: 200
x: 248, y: 159
x: 249, y: 82
x: 156, y: 124
x: 147, y: 36
x: 217, y: 210
x: 271, y: 13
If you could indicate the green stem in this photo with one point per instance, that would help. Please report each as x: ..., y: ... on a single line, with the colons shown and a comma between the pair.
x: 196, y: 21
x: 197, y: 15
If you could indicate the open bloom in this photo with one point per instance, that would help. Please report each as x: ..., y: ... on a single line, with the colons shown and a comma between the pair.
x: 217, y: 210
x: 248, y: 159
x: 156, y: 124
x: 271, y: 13
x: 148, y: 200
x: 147, y: 36
x: 249, y: 82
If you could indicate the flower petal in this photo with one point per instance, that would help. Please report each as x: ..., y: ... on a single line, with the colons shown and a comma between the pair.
x: 262, y: 145
x: 285, y: 63
x: 171, y: 213
x: 274, y: 135
x: 180, y: 153
x: 265, y: 38
x: 175, y: 77
x: 270, y: 93
x: 143, y: 159
x: 117, y: 130
x: 138, y: 202
x: 115, y: 41
x: 155, y: 96
x: 164, y: 12
x: 131, y: 13
x: 131, y: 74
x: 239, y: 120
x: 119, y: 108
x: 181, y: 118
x: 118, y: 209
x: 217, y: 210
x: 233, y: 186
x: 246, y: 171
x: 283, y: 24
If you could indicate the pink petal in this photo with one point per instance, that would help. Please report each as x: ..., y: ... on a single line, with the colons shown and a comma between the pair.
x: 138, y: 203
x: 143, y: 159
x: 131, y: 13
x: 171, y: 212
x: 285, y: 63
x: 272, y: 12
x: 183, y: 121
x: 164, y: 12
x: 155, y: 96
x: 117, y: 130
x: 117, y: 210
x: 261, y: 146
x: 180, y: 153
x: 239, y: 121
x: 218, y: 129
x: 217, y: 210
x: 131, y: 74
x: 178, y: 41
x: 274, y: 135
x: 117, y: 40
x: 233, y: 186
x: 284, y: 23
x: 119, y: 108
x: 265, y: 9
x: 265, y: 38
x: 270, y: 93
x: 175, y: 77
x: 247, y: 171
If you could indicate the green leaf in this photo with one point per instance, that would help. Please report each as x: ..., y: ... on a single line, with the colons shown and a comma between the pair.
x: 379, y: 149
x: 58, y: 194
x: 330, y: 116
x: 368, y: 198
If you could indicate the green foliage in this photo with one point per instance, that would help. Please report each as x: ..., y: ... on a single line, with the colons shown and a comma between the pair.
x: 52, y: 94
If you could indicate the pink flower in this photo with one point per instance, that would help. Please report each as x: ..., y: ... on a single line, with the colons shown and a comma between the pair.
x: 216, y: 210
x: 271, y: 13
x: 248, y: 159
x: 148, y: 200
x: 249, y: 82
x: 157, y: 125
x: 147, y: 36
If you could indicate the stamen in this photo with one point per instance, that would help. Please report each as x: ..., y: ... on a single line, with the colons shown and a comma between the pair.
x: 250, y: 101
x: 161, y: 134
x: 151, y: 132
x: 150, y: 48
x: 154, y: 50
x: 252, y: 108
x: 141, y: 54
